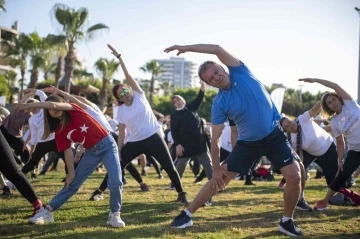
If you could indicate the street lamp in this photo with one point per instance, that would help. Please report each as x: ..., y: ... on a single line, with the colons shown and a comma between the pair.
x: 300, y: 97
x: 358, y: 96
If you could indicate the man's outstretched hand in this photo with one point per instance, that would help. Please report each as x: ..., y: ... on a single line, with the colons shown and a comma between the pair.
x: 180, y: 49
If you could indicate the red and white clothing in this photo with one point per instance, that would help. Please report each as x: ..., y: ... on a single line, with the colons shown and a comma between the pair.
x: 82, y: 129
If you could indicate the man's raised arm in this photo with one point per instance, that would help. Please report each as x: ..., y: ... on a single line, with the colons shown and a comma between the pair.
x: 225, y: 57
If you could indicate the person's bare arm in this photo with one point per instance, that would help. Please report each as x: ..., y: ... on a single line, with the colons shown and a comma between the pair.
x: 225, y: 57
x: 44, y: 105
x: 133, y: 84
x: 340, y: 91
x: 314, y: 110
x: 121, y: 137
x: 67, y: 96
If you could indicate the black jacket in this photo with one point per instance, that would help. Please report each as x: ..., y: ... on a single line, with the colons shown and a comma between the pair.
x: 188, y: 130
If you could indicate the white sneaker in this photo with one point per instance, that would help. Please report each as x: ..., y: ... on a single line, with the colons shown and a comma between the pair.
x: 115, y: 220
x: 42, y: 216
x: 98, y: 197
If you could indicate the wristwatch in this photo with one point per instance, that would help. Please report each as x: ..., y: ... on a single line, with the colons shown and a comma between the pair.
x: 118, y: 56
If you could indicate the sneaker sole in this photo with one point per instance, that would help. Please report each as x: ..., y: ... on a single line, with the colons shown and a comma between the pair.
x: 303, y: 209
x: 120, y: 226
x: 40, y: 222
x: 282, y: 230
x: 188, y: 224
x: 321, y: 209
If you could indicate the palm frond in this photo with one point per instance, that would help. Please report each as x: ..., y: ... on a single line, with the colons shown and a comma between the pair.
x: 96, y: 29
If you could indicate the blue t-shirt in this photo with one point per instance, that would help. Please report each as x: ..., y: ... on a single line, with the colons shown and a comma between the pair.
x: 247, y: 103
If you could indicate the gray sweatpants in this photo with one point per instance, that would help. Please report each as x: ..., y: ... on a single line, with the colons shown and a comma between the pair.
x: 204, y: 160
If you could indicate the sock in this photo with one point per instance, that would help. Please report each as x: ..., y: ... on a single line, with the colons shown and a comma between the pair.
x: 285, y: 219
x: 37, y: 204
x: 188, y: 213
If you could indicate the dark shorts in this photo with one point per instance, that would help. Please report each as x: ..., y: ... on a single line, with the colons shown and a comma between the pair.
x: 274, y: 146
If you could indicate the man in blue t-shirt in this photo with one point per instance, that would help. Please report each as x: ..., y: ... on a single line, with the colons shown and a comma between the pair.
x: 245, y: 100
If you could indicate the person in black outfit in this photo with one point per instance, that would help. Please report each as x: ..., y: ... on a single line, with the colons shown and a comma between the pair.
x: 188, y: 133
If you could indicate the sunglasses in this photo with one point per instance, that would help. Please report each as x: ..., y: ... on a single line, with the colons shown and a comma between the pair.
x: 124, y: 93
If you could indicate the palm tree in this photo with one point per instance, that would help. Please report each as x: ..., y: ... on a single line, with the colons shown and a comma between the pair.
x: 19, y: 49
x: 106, y: 68
x: 38, y: 49
x: 167, y: 87
x: 10, y: 76
x: 73, y: 24
x: 2, y: 5
x: 59, y: 46
x: 155, y: 69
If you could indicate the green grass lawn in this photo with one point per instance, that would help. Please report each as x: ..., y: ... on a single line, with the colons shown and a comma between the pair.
x: 238, y: 212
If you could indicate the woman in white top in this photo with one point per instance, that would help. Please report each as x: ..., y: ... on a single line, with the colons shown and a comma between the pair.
x: 39, y: 146
x: 135, y: 114
x: 311, y: 143
x: 344, y: 124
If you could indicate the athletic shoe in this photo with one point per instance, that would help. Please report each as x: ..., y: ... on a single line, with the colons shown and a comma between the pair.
x: 208, y: 203
x: 282, y: 184
x: 321, y: 205
x: 302, y: 205
x: 182, y: 197
x: 197, y: 181
x: 33, y: 176
x: 182, y: 221
x: 160, y: 176
x: 115, y: 220
x: 6, y: 191
x: 124, y: 181
x: 42, y: 173
x: 143, y: 173
x: 97, y: 196
x: 42, y: 216
x: 289, y: 228
x: 144, y: 187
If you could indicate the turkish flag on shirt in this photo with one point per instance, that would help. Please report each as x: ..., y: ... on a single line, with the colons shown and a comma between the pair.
x: 82, y: 129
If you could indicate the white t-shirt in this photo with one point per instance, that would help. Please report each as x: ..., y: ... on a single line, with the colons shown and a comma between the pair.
x: 315, y: 140
x: 138, y: 118
x: 36, y: 123
x: 99, y: 117
x: 225, y: 139
x: 348, y: 124
x: 170, y: 138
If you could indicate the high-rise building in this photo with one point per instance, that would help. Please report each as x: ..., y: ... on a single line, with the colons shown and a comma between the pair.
x: 178, y: 71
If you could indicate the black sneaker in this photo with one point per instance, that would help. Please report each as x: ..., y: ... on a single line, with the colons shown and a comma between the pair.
x: 182, y: 198
x: 97, y: 196
x: 33, y: 176
x: 182, y: 221
x: 289, y: 228
x: 302, y: 205
x: 249, y: 183
x: 6, y: 191
x: 143, y: 173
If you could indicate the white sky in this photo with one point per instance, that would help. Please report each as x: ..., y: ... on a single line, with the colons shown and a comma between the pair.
x: 280, y: 41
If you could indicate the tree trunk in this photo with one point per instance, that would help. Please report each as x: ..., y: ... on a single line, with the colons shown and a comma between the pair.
x: 151, y: 91
x: 22, y: 72
x: 46, y: 75
x: 104, y: 93
x: 69, y: 66
x: 58, y: 71
x: 34, y: 77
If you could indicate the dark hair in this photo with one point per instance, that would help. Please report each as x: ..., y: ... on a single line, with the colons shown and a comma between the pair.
x: 114, y: 91
x: 282, y: 120
x: 203, y: 67
x: 51, y: 123
x: 324, y: 105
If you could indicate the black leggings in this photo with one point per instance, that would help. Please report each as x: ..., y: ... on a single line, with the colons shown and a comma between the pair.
x: 130, y: 167
x: 327, y: 161
x: 16, y: 144
x: 10, y: 170
x: 153, y: 162
x: 351, y: 163
x: 155, y: 146
x: 41, y: 149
